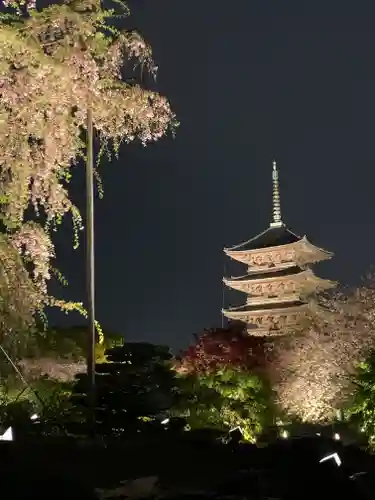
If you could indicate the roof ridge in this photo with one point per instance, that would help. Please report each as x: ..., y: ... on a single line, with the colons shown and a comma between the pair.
x: 253, y: 238
x: 269, y: 230
x: 268, y: 306
x: 270, y: 273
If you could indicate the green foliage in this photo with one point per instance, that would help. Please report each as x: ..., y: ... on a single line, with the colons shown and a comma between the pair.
x: 361, y: 408
x: 137, y: 387
x: 45, y: 398
x: 16, y: 414
x: 48, y: 363
x: 71, y: 343
x: 56, y: 403
x: 224, y: 400
x: 16, y: 309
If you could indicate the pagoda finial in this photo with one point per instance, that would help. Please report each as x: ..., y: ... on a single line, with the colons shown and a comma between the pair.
x: 276, y: 209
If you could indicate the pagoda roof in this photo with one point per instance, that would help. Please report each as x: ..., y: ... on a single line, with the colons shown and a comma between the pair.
x: 273, y: 236
x: 269, y: 273
x: 267, y: 307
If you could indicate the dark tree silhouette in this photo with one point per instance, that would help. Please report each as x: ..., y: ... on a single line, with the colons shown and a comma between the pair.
x: 135, y: 387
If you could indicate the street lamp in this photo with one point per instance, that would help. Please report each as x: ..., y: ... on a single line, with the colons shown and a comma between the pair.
x: 90, y: 274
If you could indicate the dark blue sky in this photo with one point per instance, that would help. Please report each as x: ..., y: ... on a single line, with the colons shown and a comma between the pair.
x: 251, y: 81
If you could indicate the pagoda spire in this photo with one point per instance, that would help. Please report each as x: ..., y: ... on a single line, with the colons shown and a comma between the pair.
x: 276, y: 209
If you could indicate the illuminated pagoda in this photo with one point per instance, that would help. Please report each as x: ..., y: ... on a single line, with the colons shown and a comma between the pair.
x: 280, y: 284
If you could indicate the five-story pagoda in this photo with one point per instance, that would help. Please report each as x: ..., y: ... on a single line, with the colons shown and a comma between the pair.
x: 279, y: 283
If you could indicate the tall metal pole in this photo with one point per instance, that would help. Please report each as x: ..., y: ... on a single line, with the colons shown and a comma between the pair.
x: 90, y: 274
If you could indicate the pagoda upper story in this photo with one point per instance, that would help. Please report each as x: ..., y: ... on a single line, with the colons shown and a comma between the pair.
x: 279, y: 283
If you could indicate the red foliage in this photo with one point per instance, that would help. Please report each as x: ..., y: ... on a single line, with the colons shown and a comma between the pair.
x: 230, y: 346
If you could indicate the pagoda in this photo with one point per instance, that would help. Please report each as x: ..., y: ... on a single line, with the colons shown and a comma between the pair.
x: 279, y: 283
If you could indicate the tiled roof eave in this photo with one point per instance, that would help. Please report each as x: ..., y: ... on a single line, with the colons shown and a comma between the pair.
x: 258, y: 236
x: 229, y: 251
x: 269, y: 277
x: 300, y: 244
x: 269, y: 311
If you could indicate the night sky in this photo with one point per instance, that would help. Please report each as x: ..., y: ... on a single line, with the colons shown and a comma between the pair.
x: 251, y: 81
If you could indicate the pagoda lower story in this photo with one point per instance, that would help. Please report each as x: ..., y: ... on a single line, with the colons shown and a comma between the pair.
x: 270, y: 319
x: 279, y: 284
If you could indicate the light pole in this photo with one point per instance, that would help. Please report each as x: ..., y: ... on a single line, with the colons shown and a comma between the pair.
x: 90, y: 274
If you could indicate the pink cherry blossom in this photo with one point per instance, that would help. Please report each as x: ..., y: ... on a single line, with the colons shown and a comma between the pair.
x: 55, y: 64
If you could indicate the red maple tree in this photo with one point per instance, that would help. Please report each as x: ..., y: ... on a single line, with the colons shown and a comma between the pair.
x: 230, y: 346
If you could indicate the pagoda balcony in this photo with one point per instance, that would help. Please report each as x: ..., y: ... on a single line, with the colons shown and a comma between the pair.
x: 270, y: 319
x: 298, y: 252
x: 276, y: 283
x: 276, y: 299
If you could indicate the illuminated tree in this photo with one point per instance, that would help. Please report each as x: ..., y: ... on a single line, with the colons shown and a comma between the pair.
x: 55, y: 64
x: 222, y: 383
x: 361, y: 407
x: 49, y: 365
x: 312, y: 372
x: 57, y: 355
x: 222, y: 347
x: 225, y: 399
